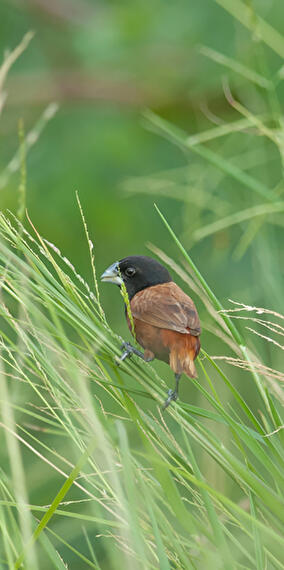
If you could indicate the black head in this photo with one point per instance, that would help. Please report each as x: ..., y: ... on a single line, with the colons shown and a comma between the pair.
x: 137, y: 272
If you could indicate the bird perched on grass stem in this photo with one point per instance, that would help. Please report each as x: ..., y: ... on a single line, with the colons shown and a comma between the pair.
x: 165, y: 319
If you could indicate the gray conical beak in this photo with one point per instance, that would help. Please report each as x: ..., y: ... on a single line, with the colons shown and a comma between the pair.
x: 111, y: 274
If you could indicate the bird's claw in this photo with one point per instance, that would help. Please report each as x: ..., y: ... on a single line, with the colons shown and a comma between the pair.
x: 172, y: 397
x: 128, y: 350
x: 126, y: 346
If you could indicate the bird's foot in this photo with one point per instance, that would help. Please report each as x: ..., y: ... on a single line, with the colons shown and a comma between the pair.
x: 172, y: 397
x: 128, y: 350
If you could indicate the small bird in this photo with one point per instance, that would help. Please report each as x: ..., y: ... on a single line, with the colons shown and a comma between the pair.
x: 166, y: 322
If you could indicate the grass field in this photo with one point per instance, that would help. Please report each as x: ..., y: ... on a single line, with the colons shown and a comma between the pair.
x: 94, y: 474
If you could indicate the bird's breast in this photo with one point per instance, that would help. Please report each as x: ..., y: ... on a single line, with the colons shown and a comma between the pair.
x: 164, y: 343
x: 150, y: 338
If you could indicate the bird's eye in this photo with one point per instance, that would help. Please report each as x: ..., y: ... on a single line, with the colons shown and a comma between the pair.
x: 129, y: 272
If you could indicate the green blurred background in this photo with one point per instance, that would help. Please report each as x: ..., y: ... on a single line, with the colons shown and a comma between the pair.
x: 104, y: 63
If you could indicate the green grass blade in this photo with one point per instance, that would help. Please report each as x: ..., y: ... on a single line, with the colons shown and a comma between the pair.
x: 178, y: 137
x: 59, y: 497
x: 245, y: 14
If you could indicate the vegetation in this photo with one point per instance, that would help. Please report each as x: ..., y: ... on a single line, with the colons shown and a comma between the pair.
x: 94, y: 474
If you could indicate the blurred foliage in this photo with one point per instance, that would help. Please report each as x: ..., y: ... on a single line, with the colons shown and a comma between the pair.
x: 104, y: 63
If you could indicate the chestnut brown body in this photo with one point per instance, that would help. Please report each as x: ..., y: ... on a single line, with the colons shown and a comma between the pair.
x: 167, y: 326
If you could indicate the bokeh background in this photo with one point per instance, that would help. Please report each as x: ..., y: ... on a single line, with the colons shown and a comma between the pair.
x: 103, y: 64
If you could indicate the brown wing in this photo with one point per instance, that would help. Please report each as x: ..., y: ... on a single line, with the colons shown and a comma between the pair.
x: 166, y: 306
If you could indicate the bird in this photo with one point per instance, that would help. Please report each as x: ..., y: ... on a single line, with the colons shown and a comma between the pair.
x: 165, y: 319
